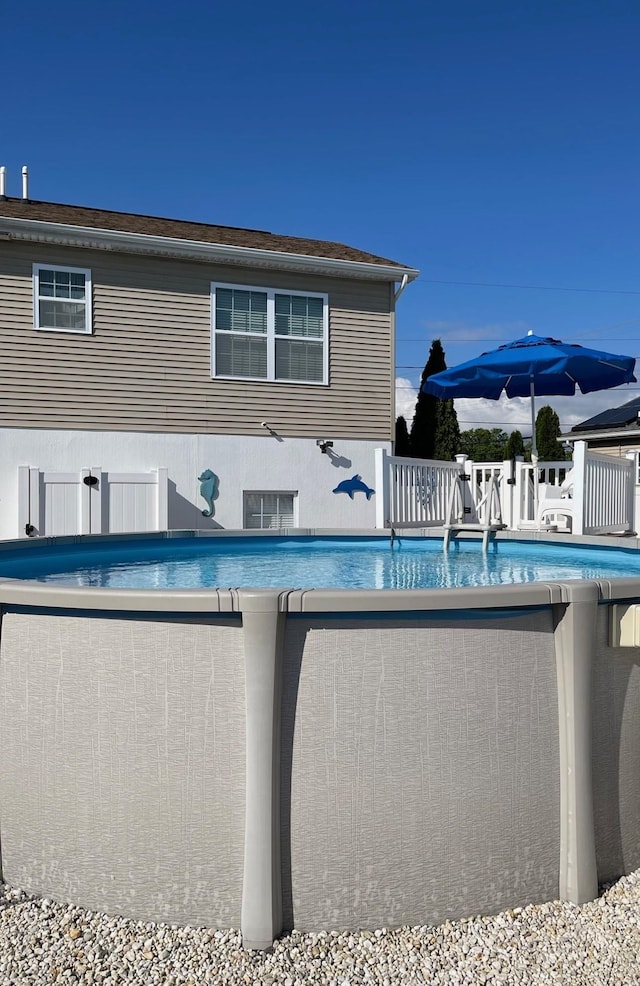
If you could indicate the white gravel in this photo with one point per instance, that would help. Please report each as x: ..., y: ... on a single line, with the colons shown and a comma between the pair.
x: 599, y: 943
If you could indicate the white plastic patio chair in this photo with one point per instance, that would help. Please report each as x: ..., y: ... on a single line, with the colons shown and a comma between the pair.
x: 555, y: 505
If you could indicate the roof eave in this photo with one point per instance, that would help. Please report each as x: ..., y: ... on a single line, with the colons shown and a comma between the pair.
x: 93, y: 238
x: 587, y: 435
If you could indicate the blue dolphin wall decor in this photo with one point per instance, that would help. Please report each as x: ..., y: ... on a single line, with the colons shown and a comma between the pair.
x: 354, y: 485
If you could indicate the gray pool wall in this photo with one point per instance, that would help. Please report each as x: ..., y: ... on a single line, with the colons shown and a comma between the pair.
x: 317, y: 759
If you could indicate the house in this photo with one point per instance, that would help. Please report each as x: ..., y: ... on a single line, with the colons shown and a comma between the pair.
x: 256, y: 369
x: 615, y: 431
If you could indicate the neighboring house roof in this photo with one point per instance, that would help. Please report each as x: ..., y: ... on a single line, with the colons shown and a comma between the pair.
x: 614, y: 417
x: 613, y: 422
x: 231, y: 242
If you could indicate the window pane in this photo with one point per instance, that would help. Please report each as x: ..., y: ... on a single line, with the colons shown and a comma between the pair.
x: 241, y: 311
x: 61, y: 281
x: 268, y: 510
x: 62, y: 315
x: 297, y: 315
x: 61, y: 284
x: 299, y: 360
x: 241, y: 356
x: 47, y: 282
x: 252, y: 510
x: 76, y: 286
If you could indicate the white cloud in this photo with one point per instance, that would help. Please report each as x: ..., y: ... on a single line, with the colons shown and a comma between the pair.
x: 506, y: 414
x: 406, y: 396
x: 516, y: 413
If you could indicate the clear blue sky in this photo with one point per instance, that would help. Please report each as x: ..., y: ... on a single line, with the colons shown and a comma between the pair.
x: 491, y: 143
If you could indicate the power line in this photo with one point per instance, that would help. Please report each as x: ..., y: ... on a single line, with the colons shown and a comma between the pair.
x: 586, y: 335
x: 420, y: 366
x: 466, y: 342
x: 483, y: 422
x: 523, y: 287
x: 627, y: 390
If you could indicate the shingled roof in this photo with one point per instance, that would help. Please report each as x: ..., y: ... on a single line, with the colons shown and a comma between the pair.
x: 128, y: 222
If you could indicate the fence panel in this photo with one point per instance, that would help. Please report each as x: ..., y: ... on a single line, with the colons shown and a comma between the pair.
x: 486, y: 484
x: 609, y: 494
x: 51, y: 504
x: 417, y: 490
x: 131, y: 502
x: 549, y: 474
x: 416, y: 493
x: 90, y: 501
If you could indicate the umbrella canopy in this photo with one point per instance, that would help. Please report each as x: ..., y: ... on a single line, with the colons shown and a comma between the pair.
x: 532, y: 366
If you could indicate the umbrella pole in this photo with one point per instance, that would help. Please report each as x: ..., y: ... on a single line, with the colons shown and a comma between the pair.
x: 534, y: 445
x: 534, y: 450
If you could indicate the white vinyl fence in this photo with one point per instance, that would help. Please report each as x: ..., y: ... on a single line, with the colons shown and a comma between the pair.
x: 608, y: 492
x: 90, y: 502
x: 415, y: 493
x: 416, y: 490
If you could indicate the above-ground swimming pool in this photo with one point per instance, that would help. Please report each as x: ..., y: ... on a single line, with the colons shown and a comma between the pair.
x: 269, y: 732
x: 308, y: 562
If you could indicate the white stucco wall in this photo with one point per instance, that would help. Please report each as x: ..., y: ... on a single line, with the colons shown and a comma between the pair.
x: 265, y: 462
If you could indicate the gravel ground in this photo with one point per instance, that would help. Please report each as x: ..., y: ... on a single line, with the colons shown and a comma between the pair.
x: 598, y: 943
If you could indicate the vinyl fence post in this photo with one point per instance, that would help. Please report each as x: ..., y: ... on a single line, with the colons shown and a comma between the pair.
x: 580, y: 491
x: 382, y: 488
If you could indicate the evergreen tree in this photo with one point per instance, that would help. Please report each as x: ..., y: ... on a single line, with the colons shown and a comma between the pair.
x: 547, y: 434
x: 402, y: 443
x: 514, y: 446
x: 447, y: 432
x: 435, y: 432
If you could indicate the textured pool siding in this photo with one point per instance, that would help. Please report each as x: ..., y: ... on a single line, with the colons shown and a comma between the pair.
x: 420, y: 769
x: 616, y: 754
x: 123, y: 763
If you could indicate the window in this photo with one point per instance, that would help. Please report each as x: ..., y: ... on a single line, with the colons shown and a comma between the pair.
x: 62, y: 298
x: 269, y: 511
x: 264, y: 334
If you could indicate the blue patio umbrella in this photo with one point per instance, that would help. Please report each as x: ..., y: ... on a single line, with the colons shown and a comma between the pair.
x: 533, y: 366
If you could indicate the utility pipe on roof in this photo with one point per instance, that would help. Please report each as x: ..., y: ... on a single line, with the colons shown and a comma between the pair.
x: 3, y: 182
x: 25, y: 182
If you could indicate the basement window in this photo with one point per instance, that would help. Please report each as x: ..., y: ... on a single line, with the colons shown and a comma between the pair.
x: 268, y: 334
x: 62, y: 298
x: 275, y: 510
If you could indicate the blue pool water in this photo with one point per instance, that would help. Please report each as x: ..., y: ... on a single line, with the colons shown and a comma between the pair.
x: 312, y: 562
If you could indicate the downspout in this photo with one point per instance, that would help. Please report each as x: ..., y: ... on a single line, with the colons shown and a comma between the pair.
x: 396, y: 295
x: 392, y: 381
x: 403, y: 284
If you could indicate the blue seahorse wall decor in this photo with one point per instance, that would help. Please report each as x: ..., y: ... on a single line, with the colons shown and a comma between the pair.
x: 354, y: 485
x: 208, y: 490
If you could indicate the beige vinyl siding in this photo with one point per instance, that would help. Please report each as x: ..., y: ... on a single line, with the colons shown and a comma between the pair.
x: 147, y: 365
x: 611, y: 446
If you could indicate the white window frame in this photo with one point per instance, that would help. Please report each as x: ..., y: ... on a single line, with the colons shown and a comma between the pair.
x: 271, y: 333
x: 88, y: 314
x: 291, y: 493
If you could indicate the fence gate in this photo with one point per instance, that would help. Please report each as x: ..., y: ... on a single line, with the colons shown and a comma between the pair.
x: 90, y: 502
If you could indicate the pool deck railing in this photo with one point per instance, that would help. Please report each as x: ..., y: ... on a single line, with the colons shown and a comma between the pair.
x: 418, y: 492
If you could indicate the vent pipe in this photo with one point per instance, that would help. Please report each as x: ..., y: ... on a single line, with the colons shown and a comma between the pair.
x: 3, y: 182
x: 25, y: 182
